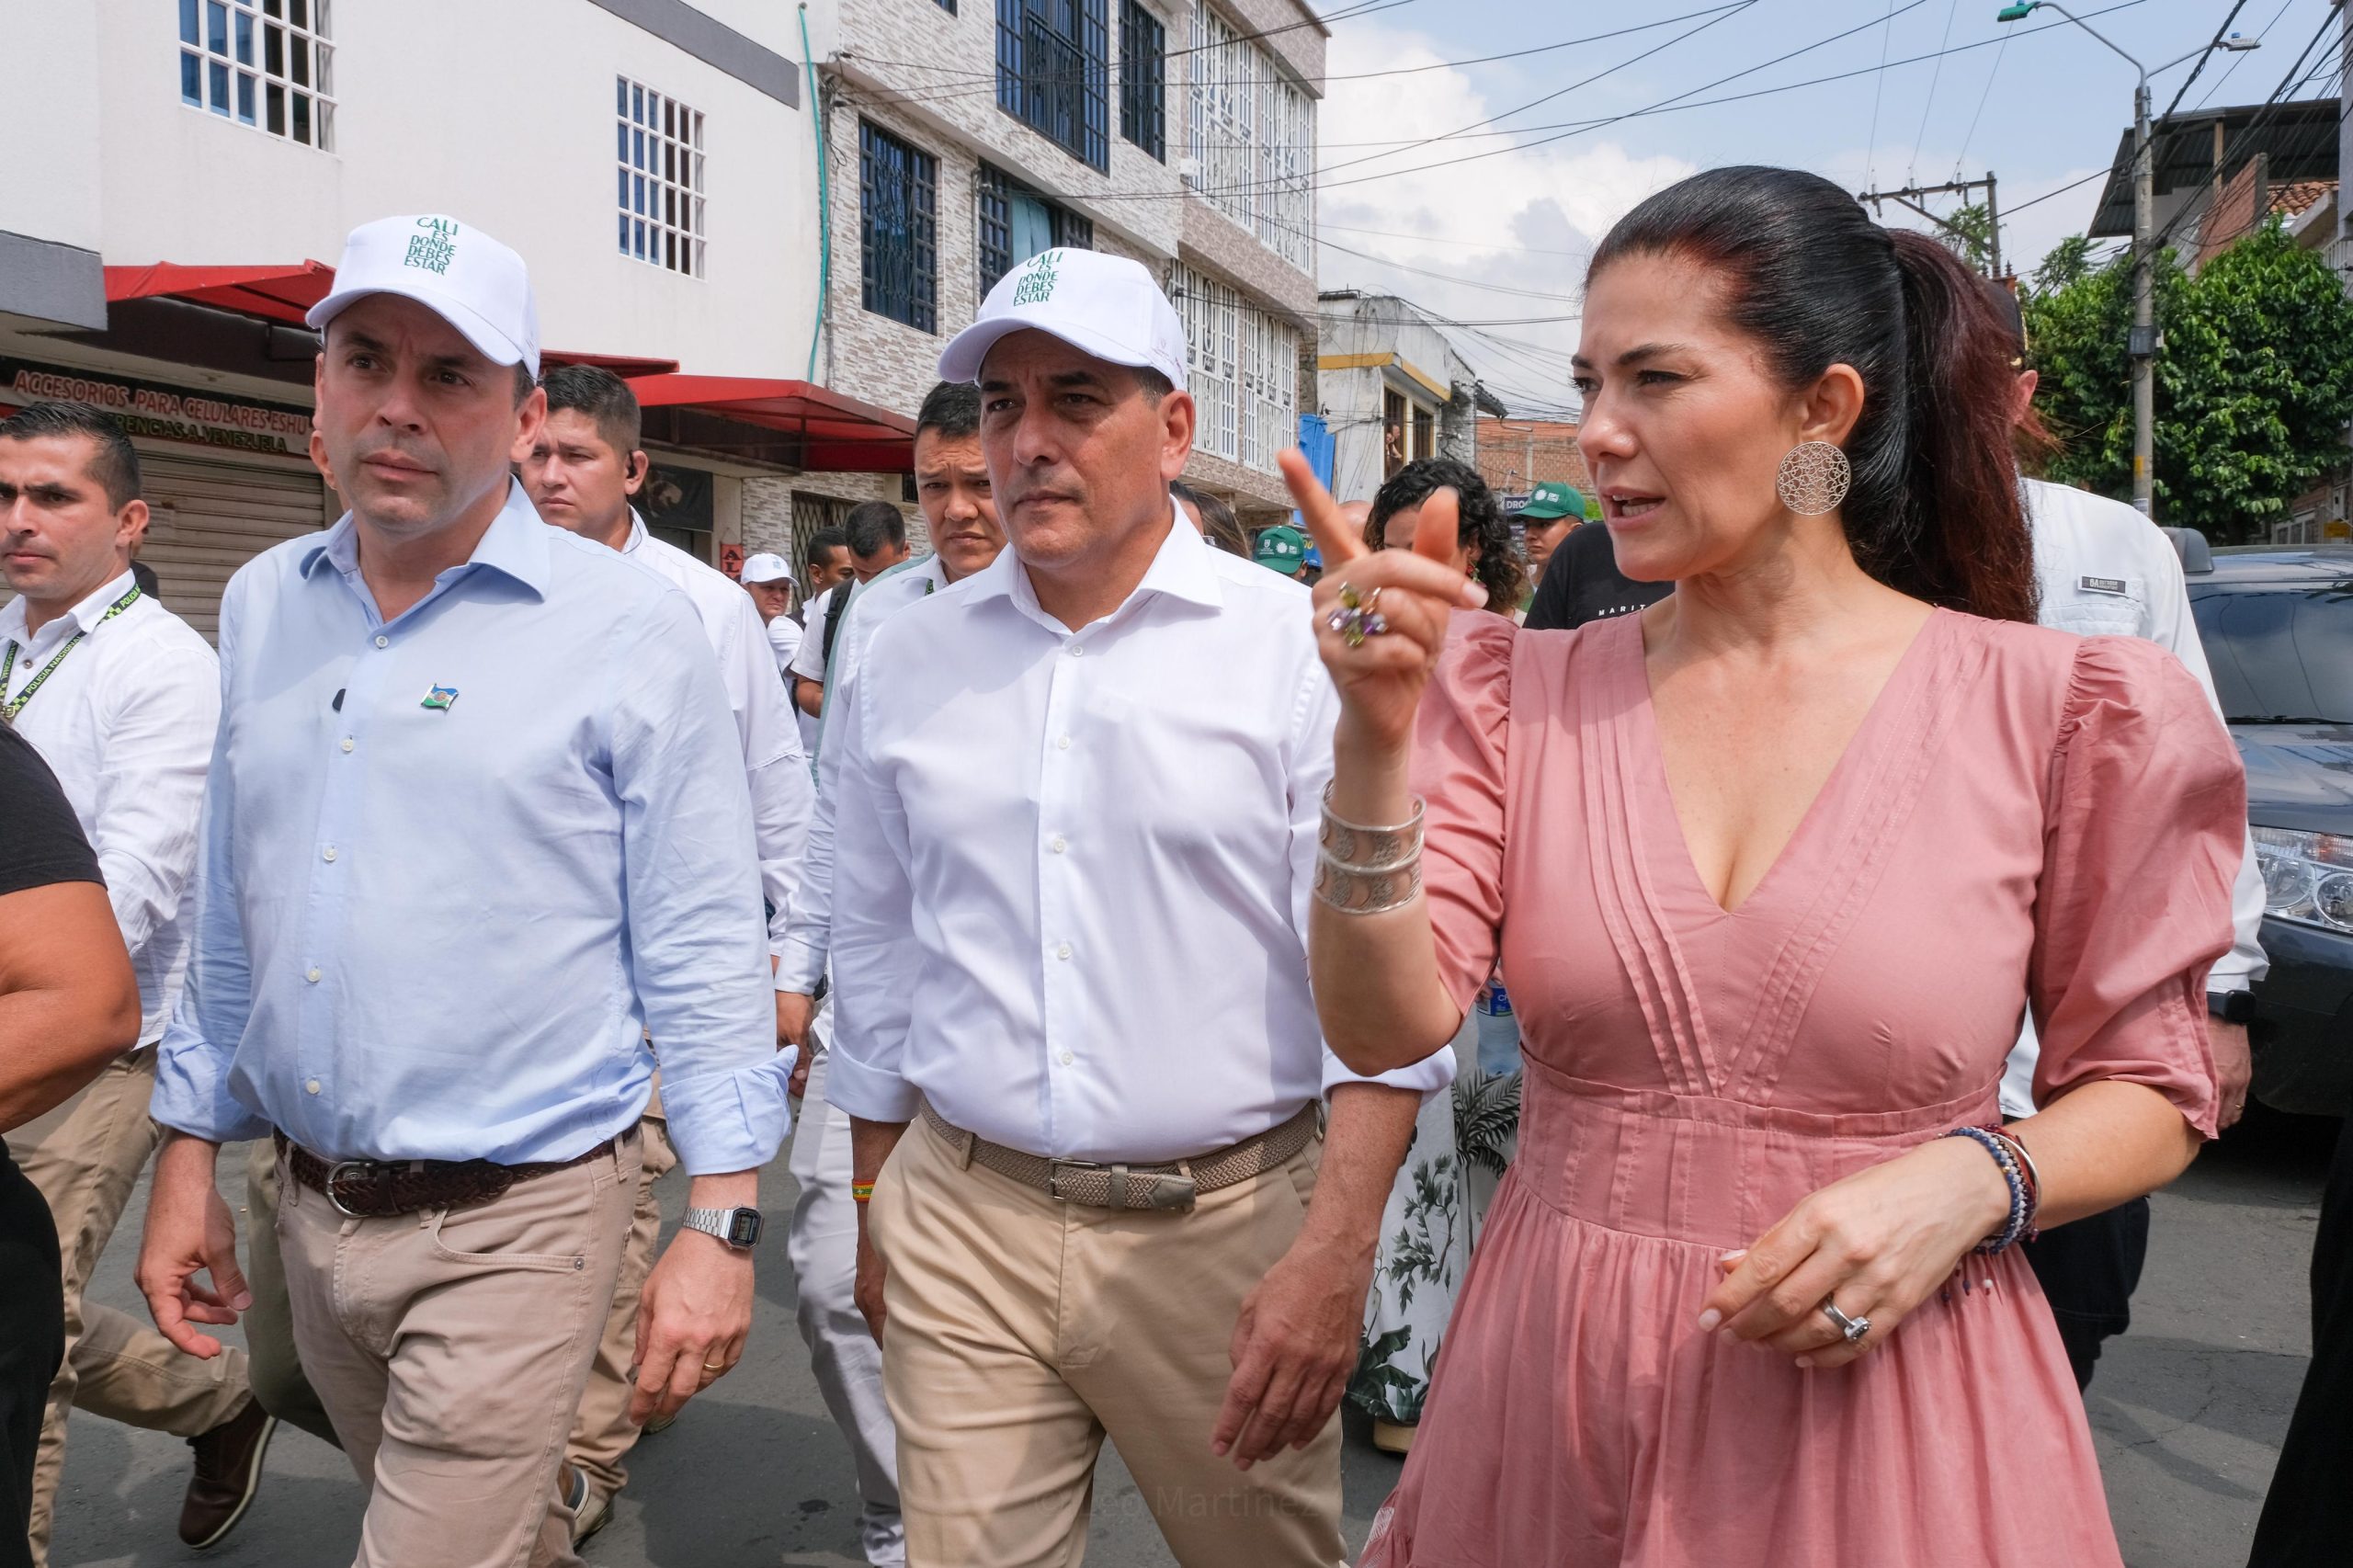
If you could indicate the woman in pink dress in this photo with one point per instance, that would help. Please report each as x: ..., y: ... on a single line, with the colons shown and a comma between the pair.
x: 1775, y: 867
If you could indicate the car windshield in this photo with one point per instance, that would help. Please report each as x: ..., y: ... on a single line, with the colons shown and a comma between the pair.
x: 2281, y: 652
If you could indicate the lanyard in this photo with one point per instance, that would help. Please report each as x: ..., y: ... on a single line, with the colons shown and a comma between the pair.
x: 8, y: 710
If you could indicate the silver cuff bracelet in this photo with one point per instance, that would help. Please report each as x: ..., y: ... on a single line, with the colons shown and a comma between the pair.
x: 1353, y: 846
x: 1353, y: 890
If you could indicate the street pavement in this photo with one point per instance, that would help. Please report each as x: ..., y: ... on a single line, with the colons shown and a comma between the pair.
x: 2188, y: 1411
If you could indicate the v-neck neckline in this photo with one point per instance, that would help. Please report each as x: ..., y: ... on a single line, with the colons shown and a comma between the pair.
x: 1860, y: 750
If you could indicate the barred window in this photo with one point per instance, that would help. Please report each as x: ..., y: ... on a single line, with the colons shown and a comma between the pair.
x: 1143, y: 75
x: 898, y: 228
x: 661, y: 178
x: 1016, y: 224
x: 266, y: 63
x: 1242, y: 366
x: 1252, y: 137
x: 1053, y: 74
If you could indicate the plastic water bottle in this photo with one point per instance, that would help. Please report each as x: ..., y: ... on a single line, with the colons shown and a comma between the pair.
x: 1498, y: 1030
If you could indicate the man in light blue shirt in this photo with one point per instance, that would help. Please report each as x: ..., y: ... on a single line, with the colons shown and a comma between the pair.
x: 476, y: 824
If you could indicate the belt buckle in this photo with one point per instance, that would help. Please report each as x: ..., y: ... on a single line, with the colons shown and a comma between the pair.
x: 1057, y: 1169
x: 1172, y: 1191
x: 368, y: 1167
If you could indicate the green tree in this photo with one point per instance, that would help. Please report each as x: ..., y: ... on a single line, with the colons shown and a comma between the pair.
x: 1968, y: 232
x: 2254, y: 379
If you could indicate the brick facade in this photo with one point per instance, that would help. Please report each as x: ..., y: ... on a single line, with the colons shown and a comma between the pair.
x: 1507, y: 447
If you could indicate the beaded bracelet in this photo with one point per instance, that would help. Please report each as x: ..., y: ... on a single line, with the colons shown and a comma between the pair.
x: 2020, y: 1225
x: 2026, y: 1159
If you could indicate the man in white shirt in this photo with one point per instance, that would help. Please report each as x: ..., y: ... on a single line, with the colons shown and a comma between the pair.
x: 581, y: 473
x: 952, y: 486
x: 1074, y: 1014
x: 121, y: 699
x: 826, y: 559
x: 768, y: 580
x: 876, y: 533
x: 2103, y: 569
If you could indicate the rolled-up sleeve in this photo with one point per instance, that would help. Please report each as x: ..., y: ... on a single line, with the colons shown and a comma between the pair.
x: 874, y: 955
x: 690, y: 870
x: 1310, y: 771
x: 199, y: 1047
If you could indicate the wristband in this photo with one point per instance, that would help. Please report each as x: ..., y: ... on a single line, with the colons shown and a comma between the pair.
x: 860, y: 1191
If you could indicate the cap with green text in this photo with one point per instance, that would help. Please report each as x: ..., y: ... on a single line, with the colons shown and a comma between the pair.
x: 458, y: 272
x: 1282, y: 547
x: 1549, y: 500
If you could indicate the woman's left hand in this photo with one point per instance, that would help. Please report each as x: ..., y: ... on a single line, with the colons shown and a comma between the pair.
x: 1876, y: 1244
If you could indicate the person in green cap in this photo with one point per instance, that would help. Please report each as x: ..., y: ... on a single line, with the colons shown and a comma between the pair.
x: 1553, y: 510
x: 1282, y: 548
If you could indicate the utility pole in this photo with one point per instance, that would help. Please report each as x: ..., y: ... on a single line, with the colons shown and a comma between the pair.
x: 1912, y: 195
x: 2143, y: 344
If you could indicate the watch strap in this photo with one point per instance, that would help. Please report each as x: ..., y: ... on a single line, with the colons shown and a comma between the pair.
x: 721, y: 1224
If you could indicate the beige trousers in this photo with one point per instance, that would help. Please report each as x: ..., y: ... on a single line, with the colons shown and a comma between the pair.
x: 1022, y: 1330
x: 450, y: 1348
x: 117, y: 1365
x: 602, y: 1434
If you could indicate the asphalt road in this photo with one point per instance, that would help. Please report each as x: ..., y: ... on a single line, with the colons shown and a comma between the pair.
x: 2188, y: 1411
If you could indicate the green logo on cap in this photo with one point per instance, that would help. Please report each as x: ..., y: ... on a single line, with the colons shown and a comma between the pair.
x: 1039, y: 285
x: 436, y: 248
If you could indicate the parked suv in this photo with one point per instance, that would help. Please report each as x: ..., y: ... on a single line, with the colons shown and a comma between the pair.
x: 2278, y: 626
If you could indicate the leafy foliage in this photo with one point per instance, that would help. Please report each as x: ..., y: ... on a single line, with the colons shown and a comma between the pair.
x: 2254, y: 378
x: 1486, y: 1114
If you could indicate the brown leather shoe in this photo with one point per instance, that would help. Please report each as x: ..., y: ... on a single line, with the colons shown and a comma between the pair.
x: 228, y: 1473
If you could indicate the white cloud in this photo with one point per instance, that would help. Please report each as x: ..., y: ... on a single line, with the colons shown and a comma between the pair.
x: 1521, y: 220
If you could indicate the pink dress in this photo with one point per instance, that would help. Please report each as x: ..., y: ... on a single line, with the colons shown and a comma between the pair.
x: 2023, y: 814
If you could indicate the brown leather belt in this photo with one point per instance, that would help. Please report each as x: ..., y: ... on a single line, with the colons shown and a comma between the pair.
x: 1171, y: 1185
x: 376, y: 1190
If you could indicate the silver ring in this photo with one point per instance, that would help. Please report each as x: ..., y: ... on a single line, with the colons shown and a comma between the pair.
x: 1853, y: 1328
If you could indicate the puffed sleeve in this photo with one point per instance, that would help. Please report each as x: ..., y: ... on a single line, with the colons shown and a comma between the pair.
x: 2145, y: 828
x: 1459, y: 772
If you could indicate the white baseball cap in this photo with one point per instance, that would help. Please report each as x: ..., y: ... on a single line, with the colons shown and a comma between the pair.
x: 1104, y: 305
x: 767, y: 568
x: 458, y: 272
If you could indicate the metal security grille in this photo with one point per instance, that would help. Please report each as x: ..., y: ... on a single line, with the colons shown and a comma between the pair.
x: 1143, y: 90
x: 898, y: 228
x: 266, y: 63
x: 1052, y: 72
x: 1010, y: 227
x: 1252, y: 135
x: 661, y: 178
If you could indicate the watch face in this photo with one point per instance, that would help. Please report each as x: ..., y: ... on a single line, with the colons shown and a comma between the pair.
x: 744, y: 1227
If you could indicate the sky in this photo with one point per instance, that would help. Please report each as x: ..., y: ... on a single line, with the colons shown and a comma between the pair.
x: 1492, y: 230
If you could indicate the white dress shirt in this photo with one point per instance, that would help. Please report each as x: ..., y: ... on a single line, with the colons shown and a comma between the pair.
x: 1083, y: 861
x: 126, y: 723
x: 784, y: 642
x: 774, y: 764
x: 809, y: 657
x: 809, y: 931
x: 2102, y: 569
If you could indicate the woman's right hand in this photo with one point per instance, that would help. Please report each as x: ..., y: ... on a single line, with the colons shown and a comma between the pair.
x: 1380, y: 679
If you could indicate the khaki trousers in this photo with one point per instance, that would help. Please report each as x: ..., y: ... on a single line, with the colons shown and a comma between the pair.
x: 1022, y: 1330
x: 273, y: 1364
x: 116, y: 1366
x: 602, y: 1434
x: 450, y: 1348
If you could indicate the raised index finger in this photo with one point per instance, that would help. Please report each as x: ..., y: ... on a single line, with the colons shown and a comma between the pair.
x: 1338, y: 542
x: 1438, y: 529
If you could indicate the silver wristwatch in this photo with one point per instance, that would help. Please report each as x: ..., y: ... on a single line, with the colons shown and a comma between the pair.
x: 739, y: 1228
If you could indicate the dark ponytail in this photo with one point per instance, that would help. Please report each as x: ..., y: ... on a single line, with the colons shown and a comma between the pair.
x: 1934, y: 511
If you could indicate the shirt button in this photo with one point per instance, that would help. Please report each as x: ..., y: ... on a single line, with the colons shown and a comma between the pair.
x: 1078, y: 650
x: 1060, y: 843
x: 328, y: 853
x: 313, y: 976
x: 311, y: 1085
x: 1068, y: 1058
x: 383, y: 641
x: 1062, y: 952
x: 347, y: 743
x: 1063, y: 744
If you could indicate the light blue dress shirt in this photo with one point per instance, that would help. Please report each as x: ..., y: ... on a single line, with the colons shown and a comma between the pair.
x: 437, y: 917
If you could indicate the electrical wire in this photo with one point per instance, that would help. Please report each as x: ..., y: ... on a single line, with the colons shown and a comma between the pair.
x: 1912, y: 164
x: 2204, y: 55
x: 1870, y: 142
x: 1999, y: 55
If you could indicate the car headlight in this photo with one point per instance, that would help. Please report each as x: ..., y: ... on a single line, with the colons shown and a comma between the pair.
x: 2306, y: 876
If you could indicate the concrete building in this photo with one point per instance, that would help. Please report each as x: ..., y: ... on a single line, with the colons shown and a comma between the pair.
x: 963, y: 137
x: 1392, y: 389
x: 1517, y: 455
x: 178, y: 196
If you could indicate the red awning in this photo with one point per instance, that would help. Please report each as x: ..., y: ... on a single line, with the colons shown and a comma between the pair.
x: 826, y: 430
x: 285, y: 293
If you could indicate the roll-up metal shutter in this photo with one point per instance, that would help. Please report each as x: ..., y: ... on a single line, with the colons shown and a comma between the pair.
x: 211, y: 518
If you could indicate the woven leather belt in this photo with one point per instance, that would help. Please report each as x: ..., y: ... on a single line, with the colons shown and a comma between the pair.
x: 376, y: 1190
x: 1171, y: 1185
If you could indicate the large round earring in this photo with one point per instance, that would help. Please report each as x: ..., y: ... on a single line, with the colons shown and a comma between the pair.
x: 1813, y: 479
